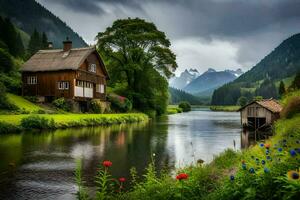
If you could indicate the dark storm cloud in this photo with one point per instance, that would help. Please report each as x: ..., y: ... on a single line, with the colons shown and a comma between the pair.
x: 208, y: 17
x: 204, y: 33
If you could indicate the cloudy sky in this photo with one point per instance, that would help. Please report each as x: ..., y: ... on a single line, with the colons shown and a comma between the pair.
x: 221, y: 34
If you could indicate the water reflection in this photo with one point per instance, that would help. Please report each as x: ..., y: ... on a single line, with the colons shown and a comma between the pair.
x: 41, y: 165
x: 250, y: 138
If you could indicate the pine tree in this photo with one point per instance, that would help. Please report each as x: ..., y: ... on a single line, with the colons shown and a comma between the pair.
x: 44, y: 41
x: 35, y: 43
x: 9, y: 36
x: 281, y: 90
x: 20, y: 49
x: 296, y: 82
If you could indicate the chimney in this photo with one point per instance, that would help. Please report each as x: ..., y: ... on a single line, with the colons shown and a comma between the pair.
x: 67, y: 44
x: 50, y: 45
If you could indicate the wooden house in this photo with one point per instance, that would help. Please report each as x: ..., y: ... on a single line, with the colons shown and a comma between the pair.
x: 73, y: 73
x: 259, y: 114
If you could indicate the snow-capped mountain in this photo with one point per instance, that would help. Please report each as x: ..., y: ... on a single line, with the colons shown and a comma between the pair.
x: 210, y: 80
x: 184, y: 79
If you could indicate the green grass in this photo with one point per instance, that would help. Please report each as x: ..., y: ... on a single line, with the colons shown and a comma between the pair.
x: 224, y: 108
x: 173, y: 109
x: 23, y: 104
x: 16, y: 123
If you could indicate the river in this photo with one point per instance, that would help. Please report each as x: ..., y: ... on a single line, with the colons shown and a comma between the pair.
x: 37, y: 165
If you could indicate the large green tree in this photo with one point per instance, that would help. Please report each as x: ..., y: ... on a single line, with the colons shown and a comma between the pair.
x: 139, y: 59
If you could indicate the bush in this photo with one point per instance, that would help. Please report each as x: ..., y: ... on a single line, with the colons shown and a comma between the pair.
x: 8, y: 128
x: 98, y: 106
x: 32, y: 99
x: 63, y: 104
x: 119, y: 103
x: 4, y: 103
x: 185, y: 106
x: 37, y: 122
x: 292, y: 108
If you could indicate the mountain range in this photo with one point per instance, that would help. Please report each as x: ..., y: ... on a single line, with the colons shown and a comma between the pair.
x: 192, y: 81
x: 28, y: 15
x: 281, y: 64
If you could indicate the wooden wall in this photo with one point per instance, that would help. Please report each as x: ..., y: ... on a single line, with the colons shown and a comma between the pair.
x: 47, y: 82
x: 257, y: 111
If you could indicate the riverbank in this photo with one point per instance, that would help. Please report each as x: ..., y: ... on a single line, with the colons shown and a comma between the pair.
x: 173, y: 109
x: 224, y: 108
x: 13, y: 123
x: 267, y: 170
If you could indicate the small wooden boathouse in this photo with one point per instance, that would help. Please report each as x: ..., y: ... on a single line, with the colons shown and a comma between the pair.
x: 260, y: 113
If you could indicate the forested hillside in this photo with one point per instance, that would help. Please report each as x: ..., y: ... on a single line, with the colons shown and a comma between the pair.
x: 29, y: 15
x: 281, y: 63
x: 177, y: 96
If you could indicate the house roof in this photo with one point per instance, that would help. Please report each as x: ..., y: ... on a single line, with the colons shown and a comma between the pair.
x: 270, y: 104
x: 57, y: 59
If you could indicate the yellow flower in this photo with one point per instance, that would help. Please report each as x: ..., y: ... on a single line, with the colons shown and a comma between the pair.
x: 293, y: 175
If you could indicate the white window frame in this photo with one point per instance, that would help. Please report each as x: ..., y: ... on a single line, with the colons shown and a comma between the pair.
x: 93, y: 68
x: 31, y: 80
x: 63, y: 85
x: 100, y: 88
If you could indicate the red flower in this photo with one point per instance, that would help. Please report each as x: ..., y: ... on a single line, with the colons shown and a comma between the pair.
x: 181, y: 176
x: 267, y: 146
x: 107, y: 163
x: 122, y: 179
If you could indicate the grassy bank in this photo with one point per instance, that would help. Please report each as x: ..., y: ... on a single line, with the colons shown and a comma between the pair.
x: 224, y: 108
x: 267, y: 170
x: 9, y: 123
x: 173, y: 109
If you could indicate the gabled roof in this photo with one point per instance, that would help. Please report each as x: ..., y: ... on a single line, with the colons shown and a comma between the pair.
x: 270, y: 104
x: 57, y: 59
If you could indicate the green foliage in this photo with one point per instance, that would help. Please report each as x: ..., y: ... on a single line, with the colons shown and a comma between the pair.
x: 119, y: 103
x: 267, y: 90
x: 139, y: 58
x: 296, y: 82
x: 185, y: 106
x: 32, y: 15
x: 242, y: 101
x: 11, y: 38
x: 257, y: 98
x: 37, y: 122
x: 226, y: 95
x: 37, y: 42
x: 4, y: 102
x: 8, y: 128
x: 81, y: 193
x: 224, y: 108
x: 177, y: 95
x: 6, y: 62
x: 77, y: 120
x: 62, y: 103
x: 281, y: 90
x: 292, y: 108
x: 173, y: 110
x: 97, y: 106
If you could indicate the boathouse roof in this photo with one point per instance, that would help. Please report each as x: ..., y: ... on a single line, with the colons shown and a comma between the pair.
x: 270, y: 104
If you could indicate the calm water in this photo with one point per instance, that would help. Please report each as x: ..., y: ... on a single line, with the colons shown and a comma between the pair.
x: 41, y: 165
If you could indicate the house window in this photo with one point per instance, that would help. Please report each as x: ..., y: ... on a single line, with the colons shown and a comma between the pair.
x: 31, y: 80
x: 100, y: 88
x: 63, y: 85
x: 79, y: 83
x: 88, y: 85
x: 92, y: 68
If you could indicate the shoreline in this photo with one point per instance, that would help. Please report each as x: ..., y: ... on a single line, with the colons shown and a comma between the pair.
x: 23, y: 122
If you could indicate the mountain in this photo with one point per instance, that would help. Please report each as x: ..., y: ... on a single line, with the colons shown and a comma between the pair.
x: 283, y: 62
x: 185, y: 78
x: 29, y: 15
x: 210, y: 80
x: 177, y: 96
